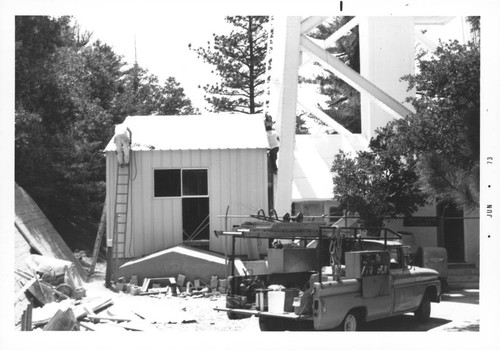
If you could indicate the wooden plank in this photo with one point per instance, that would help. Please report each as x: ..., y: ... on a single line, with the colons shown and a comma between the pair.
x: 98, y: 240
x: 62, y: 321
x: 133, y: 326
x: 87, y: 326
x: 26, y: 318
x: 108, y: 318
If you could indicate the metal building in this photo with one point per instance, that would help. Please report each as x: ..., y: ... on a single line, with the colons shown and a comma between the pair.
x: 184, y: 172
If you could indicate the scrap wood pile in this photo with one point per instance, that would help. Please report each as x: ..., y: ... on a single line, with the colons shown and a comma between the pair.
x: 171, y: 286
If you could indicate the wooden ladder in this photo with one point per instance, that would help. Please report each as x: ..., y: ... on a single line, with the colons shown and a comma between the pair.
x: 121, y: 214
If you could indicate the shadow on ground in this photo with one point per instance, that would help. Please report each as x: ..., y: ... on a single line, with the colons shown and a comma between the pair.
x: 404, y: 323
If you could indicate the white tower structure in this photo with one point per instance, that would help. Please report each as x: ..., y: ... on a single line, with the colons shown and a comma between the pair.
x: 387, y: 53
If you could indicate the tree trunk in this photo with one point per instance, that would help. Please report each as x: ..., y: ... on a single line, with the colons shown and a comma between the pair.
x: 251, y: 68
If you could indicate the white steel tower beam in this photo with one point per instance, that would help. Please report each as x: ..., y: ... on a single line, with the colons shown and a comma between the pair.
x: 354, y: 79
x: 286, y: 62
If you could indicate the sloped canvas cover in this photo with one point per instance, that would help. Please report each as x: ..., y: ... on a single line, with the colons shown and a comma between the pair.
x: 39, y: 232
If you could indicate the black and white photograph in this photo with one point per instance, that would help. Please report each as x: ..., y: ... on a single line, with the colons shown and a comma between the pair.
x: 235, y: 175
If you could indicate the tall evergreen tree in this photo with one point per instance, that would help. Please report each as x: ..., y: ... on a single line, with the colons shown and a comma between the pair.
x: 431, y: 154
x: 444, y: 132
x: 343, y: 104
x: 239, y: 60
x: 69, y: 93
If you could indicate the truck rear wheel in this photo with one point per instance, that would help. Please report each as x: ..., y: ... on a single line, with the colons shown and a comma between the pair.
x: 235, y: 316
x: 351, y: 322
x: 272, y: 324
x: 423, y: 312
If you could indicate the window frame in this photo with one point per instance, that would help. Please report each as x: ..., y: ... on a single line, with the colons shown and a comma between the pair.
x: 181, y: 184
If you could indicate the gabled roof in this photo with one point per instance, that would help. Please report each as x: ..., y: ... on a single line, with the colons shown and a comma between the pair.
x: 190, y: 132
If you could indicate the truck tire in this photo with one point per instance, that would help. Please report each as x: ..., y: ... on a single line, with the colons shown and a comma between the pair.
x: 423, y: 313
x: 235, y: 316
x: 352, y: 322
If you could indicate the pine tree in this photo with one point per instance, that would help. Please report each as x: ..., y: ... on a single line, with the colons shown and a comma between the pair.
x: 343, y: 104
x: 239, y: 60
x: 69, y: 93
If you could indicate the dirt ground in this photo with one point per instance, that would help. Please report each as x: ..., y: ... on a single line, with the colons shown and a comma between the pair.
x: 165, y: 312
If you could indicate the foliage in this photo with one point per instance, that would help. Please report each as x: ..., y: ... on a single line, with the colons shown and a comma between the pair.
x: 141, y: 94
x: 343, y: 104
x: 444, y: 132
x: 69, y: 94
x: 433, y: 153
x: 376, y: 184
x: 239, y: 60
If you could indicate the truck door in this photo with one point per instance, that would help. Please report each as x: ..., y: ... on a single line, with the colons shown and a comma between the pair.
x: 406, y: 291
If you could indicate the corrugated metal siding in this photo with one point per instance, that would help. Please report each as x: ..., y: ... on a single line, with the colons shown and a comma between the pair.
x: 236, y: 178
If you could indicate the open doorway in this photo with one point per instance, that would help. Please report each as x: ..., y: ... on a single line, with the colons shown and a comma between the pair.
x: 195, y: 219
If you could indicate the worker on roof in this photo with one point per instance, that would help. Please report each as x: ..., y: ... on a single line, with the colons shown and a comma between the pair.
x: 123, y: 140
x: 274, y: 143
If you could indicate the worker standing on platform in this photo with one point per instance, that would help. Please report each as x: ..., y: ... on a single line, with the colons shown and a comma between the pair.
x: 123, y: 140
x: 274, y: 143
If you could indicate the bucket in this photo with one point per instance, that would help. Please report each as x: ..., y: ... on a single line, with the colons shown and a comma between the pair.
x: 261, y: 299
x: 276, y: 301
x: 289, y: 295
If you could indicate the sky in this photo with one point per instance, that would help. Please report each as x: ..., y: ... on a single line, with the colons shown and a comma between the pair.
x: 161, y: 41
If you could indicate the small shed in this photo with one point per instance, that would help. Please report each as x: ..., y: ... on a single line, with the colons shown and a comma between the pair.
x: 186, y: 171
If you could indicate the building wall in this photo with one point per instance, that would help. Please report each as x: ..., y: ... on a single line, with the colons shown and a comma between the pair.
x: 387, y: 52
x: 236, y: 178
x: 471, y: 236
x: 424, y: 236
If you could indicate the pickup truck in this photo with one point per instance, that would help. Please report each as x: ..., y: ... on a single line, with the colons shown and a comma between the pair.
x: 375, y: 280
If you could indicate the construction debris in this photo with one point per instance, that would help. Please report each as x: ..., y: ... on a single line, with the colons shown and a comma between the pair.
x: 55, y: 299
x: 62, y: 321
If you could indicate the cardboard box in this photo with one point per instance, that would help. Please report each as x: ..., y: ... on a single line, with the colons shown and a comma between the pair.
x: 291, y: 260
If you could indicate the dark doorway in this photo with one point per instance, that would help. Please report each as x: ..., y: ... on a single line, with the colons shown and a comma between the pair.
x: 451, y: 231
x: 195, y: 219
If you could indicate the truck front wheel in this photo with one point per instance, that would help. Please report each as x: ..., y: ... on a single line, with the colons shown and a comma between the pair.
x: 423, y: 312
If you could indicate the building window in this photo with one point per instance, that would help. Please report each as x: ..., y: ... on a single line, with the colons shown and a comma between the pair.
x: 167, y: 183
x: 192, y: 186
x: 194, y: 182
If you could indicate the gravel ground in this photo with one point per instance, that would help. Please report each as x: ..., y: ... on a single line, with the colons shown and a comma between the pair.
x: 459, y: 311
x: 164, y: 312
